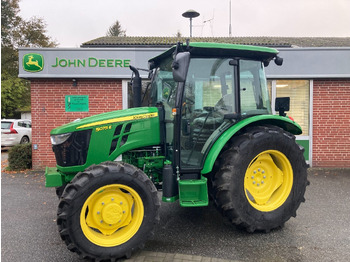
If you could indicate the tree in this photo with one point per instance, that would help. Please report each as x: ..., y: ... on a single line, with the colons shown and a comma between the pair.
x: 9, y: 20
x: 116, y: 30
x: 14, y: 95
x: 17, y: 32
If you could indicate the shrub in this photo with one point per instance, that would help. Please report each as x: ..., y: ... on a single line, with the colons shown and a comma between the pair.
x: 20, y: 157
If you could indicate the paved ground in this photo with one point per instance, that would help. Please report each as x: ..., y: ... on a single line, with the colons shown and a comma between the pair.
x: 320, y: 232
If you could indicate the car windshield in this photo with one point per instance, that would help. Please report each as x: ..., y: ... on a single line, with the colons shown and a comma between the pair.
x: 5, y: 125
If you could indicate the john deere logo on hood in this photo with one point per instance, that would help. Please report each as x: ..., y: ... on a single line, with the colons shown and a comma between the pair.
x: 33, y: 62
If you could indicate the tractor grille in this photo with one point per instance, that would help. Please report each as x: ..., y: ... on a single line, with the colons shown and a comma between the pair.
x: 119, y: 136
x: 73, y: 151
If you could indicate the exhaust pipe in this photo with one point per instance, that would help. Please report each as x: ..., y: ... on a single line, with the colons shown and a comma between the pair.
x: 136, y: 87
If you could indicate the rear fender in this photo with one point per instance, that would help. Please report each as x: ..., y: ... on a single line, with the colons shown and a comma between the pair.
x: 280, y: 121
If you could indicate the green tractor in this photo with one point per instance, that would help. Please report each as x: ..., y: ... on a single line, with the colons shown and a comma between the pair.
x: 207, y: 130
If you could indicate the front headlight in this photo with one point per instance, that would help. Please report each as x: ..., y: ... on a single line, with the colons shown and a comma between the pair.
x: 59, y: 139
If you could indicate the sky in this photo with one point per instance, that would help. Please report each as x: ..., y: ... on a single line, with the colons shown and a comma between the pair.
x: 73, y: 22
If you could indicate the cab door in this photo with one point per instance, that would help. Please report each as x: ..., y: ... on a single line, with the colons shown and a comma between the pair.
x: 208, y: 96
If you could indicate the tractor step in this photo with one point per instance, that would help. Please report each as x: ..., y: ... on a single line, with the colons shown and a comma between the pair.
x: 193, y: 192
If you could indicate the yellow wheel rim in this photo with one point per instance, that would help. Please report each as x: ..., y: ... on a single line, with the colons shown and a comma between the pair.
x: 112, y: 215
x: 268, y: 180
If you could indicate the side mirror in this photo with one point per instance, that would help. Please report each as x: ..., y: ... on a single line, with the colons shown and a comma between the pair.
x: 180, y: 66
x: 278, y: 60
x: 282, y: 105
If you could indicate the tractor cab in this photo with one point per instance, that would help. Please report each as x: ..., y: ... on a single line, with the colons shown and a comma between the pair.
x: 205, y: 88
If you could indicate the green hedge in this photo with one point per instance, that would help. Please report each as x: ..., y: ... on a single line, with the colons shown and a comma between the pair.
x: 20, y: 157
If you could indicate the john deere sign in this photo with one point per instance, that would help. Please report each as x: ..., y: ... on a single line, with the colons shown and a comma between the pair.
x: 33, y: 62
x: 83, y: 62
x: 91, y: 62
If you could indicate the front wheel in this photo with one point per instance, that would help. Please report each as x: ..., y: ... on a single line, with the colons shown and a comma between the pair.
x: 108, y: 211
x: 262, y: 179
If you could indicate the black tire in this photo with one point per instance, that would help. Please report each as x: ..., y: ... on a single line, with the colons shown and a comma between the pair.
x: 24, y: 140
x: 92, y: 182
x: 59, y: 190
x: 233, y: 180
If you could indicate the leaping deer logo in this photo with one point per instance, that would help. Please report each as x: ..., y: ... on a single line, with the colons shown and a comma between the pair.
x: 33, y: 62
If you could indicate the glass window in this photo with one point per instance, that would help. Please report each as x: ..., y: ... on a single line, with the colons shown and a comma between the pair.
x: 209, y: 84
x: 254, y: 95
x: 144, y: 94
x: 6, y: 125
x: 208, y: 97
x: 163, y: 87
x: 299, y: 93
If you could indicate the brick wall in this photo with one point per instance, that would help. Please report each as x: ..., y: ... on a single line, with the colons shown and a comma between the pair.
x: 331, y: 115
x: 48, y: 109
x: 331, y: 123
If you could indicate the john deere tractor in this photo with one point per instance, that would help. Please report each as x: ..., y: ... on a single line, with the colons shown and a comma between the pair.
x: 207, y: 129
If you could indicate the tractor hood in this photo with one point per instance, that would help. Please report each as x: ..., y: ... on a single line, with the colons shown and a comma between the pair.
x: 110, y: 118
x: 104, y: 137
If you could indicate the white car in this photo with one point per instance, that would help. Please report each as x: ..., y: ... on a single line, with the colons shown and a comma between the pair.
x: 15, y: 131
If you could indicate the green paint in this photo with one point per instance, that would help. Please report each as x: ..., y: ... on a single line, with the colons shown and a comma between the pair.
x: 225, y: 50
x: 170, y: 199
x: 33, y: 62
x: 144, y: 132
x: 109, y: 63
x: 77, y: 103
x: 90, y: 62
x: 233, y: 47
x: 283, y: 122
x: 193, y: 193
x: 53, y: 178
x: 306, y: 145
x: 81, y: 63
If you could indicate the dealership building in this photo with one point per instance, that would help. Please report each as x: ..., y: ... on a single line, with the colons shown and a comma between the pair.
x: 71, y: 83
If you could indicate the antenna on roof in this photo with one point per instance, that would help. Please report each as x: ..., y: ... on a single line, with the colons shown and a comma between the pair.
x: 210, y: 25
x: 230, y: 26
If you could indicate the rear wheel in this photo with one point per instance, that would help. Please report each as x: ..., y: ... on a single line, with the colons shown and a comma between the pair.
x: 24, y: 140
x: 108, y: 211
x: 262, y: 179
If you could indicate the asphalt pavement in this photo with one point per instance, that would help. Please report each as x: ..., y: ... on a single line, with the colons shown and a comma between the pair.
x: 320, y: 232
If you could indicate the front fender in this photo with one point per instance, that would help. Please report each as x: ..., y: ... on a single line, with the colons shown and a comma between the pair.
x: 280, y: 121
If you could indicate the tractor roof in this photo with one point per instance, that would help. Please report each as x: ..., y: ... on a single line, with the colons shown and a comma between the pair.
x: 200, y: 49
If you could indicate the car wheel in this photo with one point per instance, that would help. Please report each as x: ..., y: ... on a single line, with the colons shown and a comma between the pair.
x: 24, y: 140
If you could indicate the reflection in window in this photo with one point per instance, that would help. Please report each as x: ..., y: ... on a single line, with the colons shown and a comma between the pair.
x: 299, y: 93
x: 144, y: 94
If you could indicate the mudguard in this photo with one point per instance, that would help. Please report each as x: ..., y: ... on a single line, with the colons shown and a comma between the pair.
x: 280, y: 121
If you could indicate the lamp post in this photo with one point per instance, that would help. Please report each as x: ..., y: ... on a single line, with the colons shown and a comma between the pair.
x: 190, y: 14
